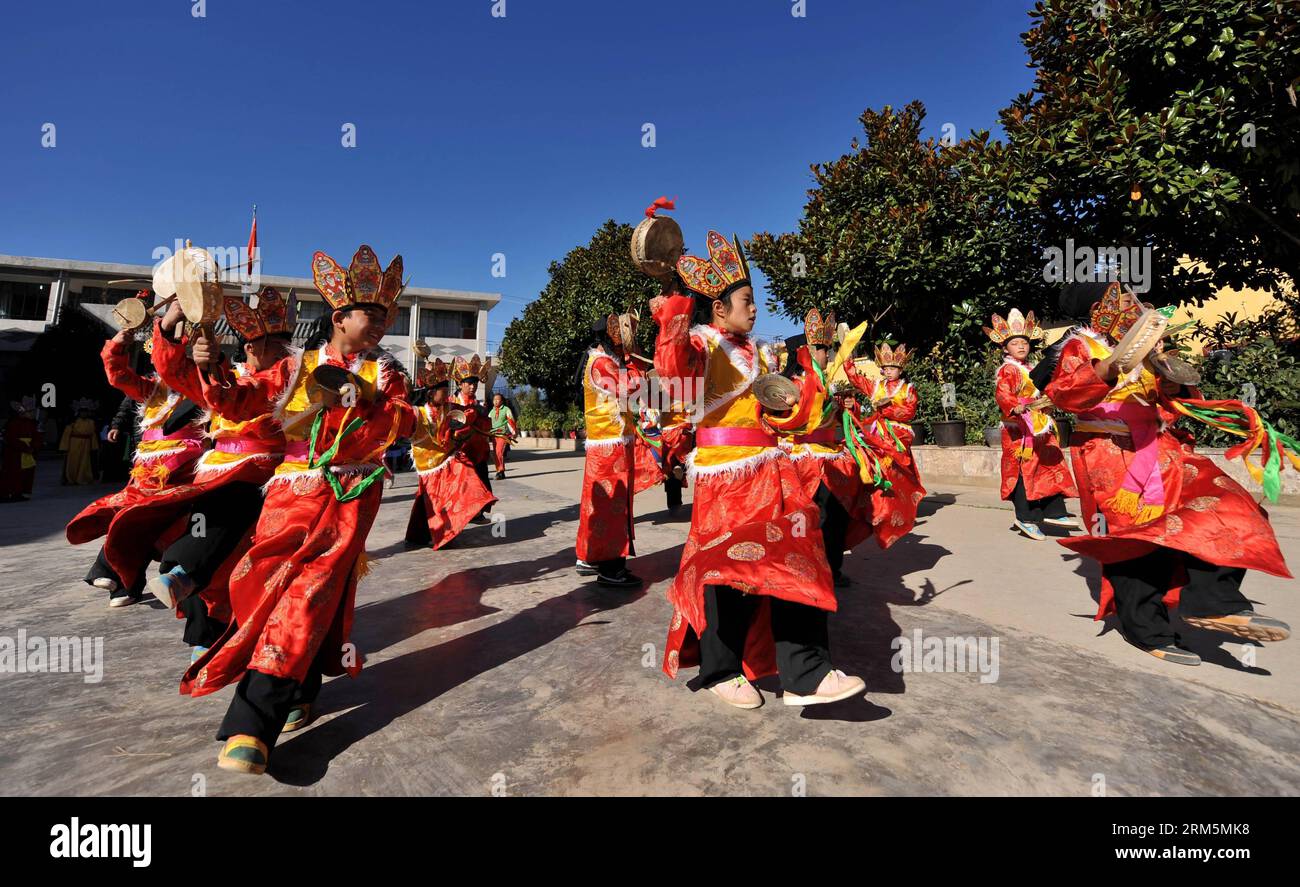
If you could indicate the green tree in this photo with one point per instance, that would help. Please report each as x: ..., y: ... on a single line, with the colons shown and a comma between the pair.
x: 898, y: 233
x: 543, y: 346
x: 1171, y: 124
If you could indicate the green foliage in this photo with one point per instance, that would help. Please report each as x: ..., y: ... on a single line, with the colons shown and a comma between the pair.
x: 574, y: 418
x: 1164, y: 123
x: 1260, y: 355
x: 898, y: 233
x: 543, y: 346
x: 532, y: 410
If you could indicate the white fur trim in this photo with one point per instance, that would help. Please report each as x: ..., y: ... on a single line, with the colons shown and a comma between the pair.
x: 282, y: 401
x: 314, y: 473
x: 736, y: 468
x: 747, y: 368
x: 203, y: 470
x: 601, y: 393
x: 439, y: 467
x: 607, y: 443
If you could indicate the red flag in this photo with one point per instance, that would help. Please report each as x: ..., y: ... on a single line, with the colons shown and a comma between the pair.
x: 252, y: 241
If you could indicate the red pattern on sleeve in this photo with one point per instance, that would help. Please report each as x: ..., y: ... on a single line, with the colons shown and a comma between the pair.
x: 1075, y: 385
x: 117, y: 367
x: 175, y: 367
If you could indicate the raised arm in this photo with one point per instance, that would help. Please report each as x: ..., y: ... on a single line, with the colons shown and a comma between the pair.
x: 175, y: 366
x: 117, y: 367
x: 241, y: 398
x: 1075, y: 385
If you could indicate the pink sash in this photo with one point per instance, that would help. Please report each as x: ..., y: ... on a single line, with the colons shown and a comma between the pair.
x: 1142, y: 480
x: 733, y: 437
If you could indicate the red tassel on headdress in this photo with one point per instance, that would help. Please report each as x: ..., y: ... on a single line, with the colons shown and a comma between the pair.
x: 661, y: 203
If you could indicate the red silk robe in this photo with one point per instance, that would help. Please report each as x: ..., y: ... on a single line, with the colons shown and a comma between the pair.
x: 609, y: 467
x: 450, y: 494
x: 478, y: 446
x: 1205, y: 513
x: 141, y: 520
x: 20, y: 446
x: 293, y: 592
x: 752, y: 525
x: 244, y: 451
x: 893, y: 510
x: 1029, y: 443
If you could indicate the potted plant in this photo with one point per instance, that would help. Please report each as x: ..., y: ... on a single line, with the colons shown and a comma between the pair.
x: 949, y: 432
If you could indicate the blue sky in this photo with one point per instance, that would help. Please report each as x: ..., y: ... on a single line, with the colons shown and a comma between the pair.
x: 475, y: 135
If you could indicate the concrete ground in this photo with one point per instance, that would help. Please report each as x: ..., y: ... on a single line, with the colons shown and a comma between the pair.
x: 493, y: 668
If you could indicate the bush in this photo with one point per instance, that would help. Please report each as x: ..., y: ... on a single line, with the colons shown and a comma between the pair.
x: 1262, y: 365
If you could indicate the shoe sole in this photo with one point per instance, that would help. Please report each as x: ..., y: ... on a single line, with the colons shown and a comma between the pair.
x: 163, y: 592
x: 1039, y: 538
x: 1262, y: 633
x: 1175, y: 659
x: 236, y: 766
x: 1069, y: 524
x: 791, y: 699
x: 613, y: 583
x: 118, y: 603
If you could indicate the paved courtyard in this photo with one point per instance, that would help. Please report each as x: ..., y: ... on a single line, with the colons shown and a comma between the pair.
x: 492, y: 667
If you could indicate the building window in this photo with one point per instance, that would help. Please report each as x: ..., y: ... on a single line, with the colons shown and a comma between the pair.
x: 402, y: 325
x: 439, y: 324
x: 311, y: 310
x: 20, y: 300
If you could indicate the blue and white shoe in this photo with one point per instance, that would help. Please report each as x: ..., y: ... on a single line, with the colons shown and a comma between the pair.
x: 1030, y: 530
x: 1070, y: 523
x: 171, y: 587
x: 197, y: 653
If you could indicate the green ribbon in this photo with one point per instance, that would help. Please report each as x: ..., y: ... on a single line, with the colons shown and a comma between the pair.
x: 327, y: 457
x: 829, y: 406
x: 853, y: 439
x: 1221, y: 418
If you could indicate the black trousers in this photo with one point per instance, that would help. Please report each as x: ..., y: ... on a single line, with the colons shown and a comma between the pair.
x: 1141, y: 583
x: 835, y: 526
x: 201, y: 630
x: 101, y: 570
x: 484, y: 474
x: 417, y: 527
x: 1031, y: 511
x: 228, y: 512
x: 798, y: 631
x: 611, y: 567
x: 673, y: 490
x: 261, y: 703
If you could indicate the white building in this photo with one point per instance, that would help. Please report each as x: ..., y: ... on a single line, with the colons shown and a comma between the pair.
x: 34, y: 292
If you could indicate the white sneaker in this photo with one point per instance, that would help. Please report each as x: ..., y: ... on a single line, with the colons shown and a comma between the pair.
x: 105, y: 583
x: 835, y: 686
x: 738, y: 692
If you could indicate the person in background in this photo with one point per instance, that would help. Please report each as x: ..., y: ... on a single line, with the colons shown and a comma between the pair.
x: 79, y: 443
x: 18, y: 469
x: 504, y: 431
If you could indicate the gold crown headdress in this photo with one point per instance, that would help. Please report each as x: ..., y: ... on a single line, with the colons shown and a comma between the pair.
x: 724, y: 270
x: 1016, y: 325
x: 1111, y: 317
x: 892, y: 357
x: 361, y: 284
x: 273, y: 314
x: 817, y: 330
